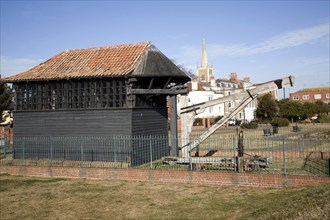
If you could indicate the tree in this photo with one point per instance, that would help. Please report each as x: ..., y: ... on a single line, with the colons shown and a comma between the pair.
x: 309, y: 110
x: 291, y: 110
x: 185, y: 69
x: 5, y: 96
x: 321, y: 107
x: 267, y: 107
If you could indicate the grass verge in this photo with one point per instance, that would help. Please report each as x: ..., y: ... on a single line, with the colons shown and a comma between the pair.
x: 57, y: 198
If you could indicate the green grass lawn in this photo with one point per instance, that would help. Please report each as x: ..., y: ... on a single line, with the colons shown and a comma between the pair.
x: 55, y: 198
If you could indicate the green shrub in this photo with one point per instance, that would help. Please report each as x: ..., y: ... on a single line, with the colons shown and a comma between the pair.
x: 250, y: 125
x: 215, y: 120
x: 280, y: 122
x: 323, y: 119
x: 198, y: 121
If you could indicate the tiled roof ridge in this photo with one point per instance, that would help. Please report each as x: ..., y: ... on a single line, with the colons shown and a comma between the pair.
x: 53, y: 68
x: 147, y: 43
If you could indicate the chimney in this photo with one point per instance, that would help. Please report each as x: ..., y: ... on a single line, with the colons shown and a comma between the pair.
x: 233, y: 77
x: 212, y: 81
x: 194, y: 86
x: 246, y: 78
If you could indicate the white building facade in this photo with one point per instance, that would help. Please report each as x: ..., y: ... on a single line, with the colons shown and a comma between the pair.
x: 207, y: 88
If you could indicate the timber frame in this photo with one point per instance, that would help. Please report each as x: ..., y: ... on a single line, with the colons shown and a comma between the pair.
x: 103, y: 91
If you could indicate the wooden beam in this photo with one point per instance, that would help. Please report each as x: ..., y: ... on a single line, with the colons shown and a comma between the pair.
x: 151, y: 83
x: 158, y: 91
x: 168, y: 82
x: 173, y: 127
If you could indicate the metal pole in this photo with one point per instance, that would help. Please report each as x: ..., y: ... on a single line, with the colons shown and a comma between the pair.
x: 284, y: 161
x: 235, y: 158
x: 114, y: 152
x: 51, y: 151
x: 81, y: 149
x: 5, y: 147
x: 23, y: 150
x: 190, y: 159
x: 150, y: 143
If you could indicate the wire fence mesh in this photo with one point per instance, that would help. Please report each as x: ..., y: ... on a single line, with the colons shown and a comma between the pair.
x: 304, y: 152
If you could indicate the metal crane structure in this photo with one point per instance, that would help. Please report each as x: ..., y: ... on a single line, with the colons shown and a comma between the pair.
x: 189, y: 112
x: 246, y: 96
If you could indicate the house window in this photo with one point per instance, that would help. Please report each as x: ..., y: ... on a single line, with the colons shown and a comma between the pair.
x: 327, y: 95
x: 317, y: 96
x: 295, y: 97
x: 305, y: 97
x: 241, y: 115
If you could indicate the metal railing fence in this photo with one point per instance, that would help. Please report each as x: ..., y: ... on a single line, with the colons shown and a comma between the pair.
x: 288, y: 155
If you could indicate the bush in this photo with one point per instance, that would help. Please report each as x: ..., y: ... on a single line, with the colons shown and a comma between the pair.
x: 250, y: 125
x: 280, y: 122
x: 323, y: 119
x: 198, y: 121
x: 215, y: 120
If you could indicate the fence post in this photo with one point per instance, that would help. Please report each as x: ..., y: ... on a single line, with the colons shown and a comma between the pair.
x: 51, y: 151
x: 284, y: 160
x: 235, y: 158
x: 81, y: 149
x: 114, y: 152
x: 150, y: 144
x: 190, y: 159
x: 5, y: 147
x: 23, y: 150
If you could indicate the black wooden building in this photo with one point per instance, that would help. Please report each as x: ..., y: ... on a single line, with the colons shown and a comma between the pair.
x: 102, y: 91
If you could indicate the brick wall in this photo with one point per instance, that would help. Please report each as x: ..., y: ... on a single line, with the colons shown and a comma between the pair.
x: 214, y: 178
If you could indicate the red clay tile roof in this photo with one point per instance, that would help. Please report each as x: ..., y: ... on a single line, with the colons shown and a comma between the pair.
x: 116, y: 60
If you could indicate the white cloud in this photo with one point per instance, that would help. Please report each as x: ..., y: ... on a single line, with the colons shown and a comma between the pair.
x: 301, y: 62
x: 11, y: 66
x: 286, y: 40
x: 282, y: 41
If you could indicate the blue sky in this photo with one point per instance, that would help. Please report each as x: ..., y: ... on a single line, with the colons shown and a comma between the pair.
x: 265, y: 40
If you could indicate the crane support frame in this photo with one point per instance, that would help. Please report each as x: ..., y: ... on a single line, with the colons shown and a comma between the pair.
x: 247, y: 96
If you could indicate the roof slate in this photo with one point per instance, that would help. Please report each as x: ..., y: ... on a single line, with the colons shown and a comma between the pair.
x: 112, y: 61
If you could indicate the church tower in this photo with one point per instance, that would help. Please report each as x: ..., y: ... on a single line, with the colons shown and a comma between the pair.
x: 205, y: 71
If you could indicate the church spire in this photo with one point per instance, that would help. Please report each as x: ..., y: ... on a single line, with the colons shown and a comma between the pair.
x: 204, y: 72
x: 204, y: 55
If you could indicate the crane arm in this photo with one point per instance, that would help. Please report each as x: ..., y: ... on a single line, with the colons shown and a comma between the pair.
x: 254, y: 90
x: 247, y: 96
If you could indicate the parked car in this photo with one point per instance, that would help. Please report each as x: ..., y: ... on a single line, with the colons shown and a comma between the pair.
x: 232, y: 122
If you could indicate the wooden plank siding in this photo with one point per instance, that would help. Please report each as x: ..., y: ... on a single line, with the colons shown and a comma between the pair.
x: 100, y: 122
x: 149, y: 121
x: 81, y: 124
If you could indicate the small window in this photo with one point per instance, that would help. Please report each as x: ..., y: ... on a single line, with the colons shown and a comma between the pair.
x: 317, y: 96
x: 295, y: 97
x: 327, y: 95
x: 241, y: 115
x: 305, y: 97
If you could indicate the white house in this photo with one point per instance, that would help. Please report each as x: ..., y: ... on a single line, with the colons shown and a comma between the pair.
x: 207, y: 88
